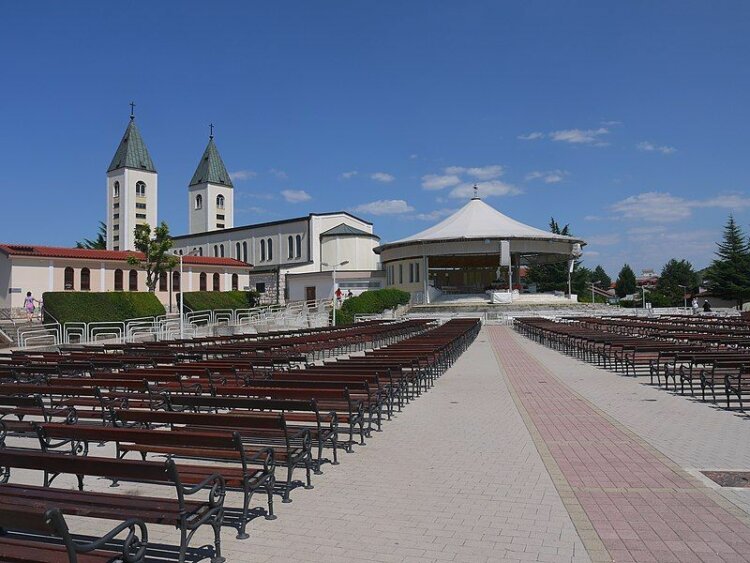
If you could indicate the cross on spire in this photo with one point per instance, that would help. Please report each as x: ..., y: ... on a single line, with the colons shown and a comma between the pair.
x: 211, y: 130
x: 132, y: 111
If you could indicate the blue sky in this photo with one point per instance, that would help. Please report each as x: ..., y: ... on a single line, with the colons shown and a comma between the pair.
x: 627, y: 120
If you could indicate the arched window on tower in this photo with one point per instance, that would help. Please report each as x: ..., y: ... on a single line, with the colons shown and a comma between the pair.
x: 133, y: 280
x: 85, y: 279
x: 116, y: 189
x: 270, y: 249
x: 262, y: 250
x: 140, y: 189
x: 299, y: 246
x: 290, y: 244
x: 118, y: 279
x: 198, y: 202
x: 216, y: 282
x: 220, y: 201
x: 69, y: 279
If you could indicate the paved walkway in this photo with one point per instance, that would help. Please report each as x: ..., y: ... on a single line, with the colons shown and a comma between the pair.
x: 629, y: 502
x: 518, y: 453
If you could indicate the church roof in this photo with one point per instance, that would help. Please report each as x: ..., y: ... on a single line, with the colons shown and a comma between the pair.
x: 39, y: 251
x: 211, y: 168
x: 132, y: 152
x: 342, y: 229
x: 477, y: 220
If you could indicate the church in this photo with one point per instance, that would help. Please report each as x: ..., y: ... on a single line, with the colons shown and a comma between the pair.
x: 292, y: 259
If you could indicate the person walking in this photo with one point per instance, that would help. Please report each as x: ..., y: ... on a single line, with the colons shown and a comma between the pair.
x: 29, y: 306
x: 695, y: 306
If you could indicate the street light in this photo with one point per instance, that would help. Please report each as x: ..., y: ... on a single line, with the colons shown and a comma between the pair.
x: 344, y: 263
x: 684, y: 296
x: 193, y: 252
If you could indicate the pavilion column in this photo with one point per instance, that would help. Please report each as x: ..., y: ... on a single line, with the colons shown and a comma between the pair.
x: 426, y: 279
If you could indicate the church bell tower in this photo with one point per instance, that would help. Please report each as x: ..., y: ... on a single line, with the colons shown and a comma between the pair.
x: 210, y: 193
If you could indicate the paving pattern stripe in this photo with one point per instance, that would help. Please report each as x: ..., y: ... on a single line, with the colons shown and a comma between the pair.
x: 641, y: 505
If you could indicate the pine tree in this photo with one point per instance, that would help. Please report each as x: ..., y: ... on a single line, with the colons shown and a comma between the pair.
x: 100, y: 243
x: 599, y: 275
x: 674, y: 274
x: 729, y: 274
x: 625, y: 284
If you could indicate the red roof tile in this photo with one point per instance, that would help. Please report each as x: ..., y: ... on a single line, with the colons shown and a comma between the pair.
x: 119, y: 255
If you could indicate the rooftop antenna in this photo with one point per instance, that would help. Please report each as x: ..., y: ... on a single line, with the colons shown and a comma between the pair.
x: 132, y: 111
x: 211, y: 130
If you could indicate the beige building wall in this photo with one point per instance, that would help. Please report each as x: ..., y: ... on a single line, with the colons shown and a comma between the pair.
x: 407, y: 275
x: 123, y: 212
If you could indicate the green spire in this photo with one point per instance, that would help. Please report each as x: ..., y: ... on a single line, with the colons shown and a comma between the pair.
x: 132, y: 152
x: 211, y: 168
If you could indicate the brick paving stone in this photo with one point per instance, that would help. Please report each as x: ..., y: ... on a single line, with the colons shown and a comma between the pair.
x: 642, y: 506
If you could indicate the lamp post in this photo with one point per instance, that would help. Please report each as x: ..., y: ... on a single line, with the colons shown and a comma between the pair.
x: 684, y: 296
x: 344, y: 263
x: 182, y: 292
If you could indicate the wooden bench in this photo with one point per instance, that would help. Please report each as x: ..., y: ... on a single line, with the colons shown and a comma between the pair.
x: 188, y: 517
x: 256, y: 469
x: 31, y: 517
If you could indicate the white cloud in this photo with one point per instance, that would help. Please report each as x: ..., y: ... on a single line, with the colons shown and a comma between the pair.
x: 348, y: 175
x: 413, y: 156
x: 434, y: 215
x: 533, y: 136
x: 240, y: 175
x: 664, y: 207
x: 455, y: 170
x: 593, y: 218
x: 648, y: 146
x: 384, y: 207
x: 489, y: 188
x: 580, y: 136
x: 279, y: 174
x: 296, y: 196
x: 486, y: 172
x: 382, y: 177
x: 548, y: 176
x: 611, y: 123
x: 439, y: 182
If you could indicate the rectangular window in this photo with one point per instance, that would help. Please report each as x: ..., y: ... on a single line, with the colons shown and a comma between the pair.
x: 400, y: 273
x: 116, y: 238
x: 140, y: 206
x: 411, y: 272
x: 220, y: 217
x: 260, y: 287
x: 219, y: 225
x: 116, y: 227
x: 116, y: 216
x: 416, y: 272
x: 117, y: 205
x: 117, y: 248
x: 140, y: 215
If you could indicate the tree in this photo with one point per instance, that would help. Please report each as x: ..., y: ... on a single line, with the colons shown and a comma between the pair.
x: 100, y: 243
x: 552, y: 277
x: 625, y: 284
x: 155, y: 249
x: 599, y: 275
x: 674, y: 274
x: 729, y: 274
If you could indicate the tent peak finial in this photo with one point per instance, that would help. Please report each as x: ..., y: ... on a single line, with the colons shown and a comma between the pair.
x: 476, y: 192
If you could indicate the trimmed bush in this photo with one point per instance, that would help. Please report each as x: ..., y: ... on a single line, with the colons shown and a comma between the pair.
x: 370, y: 303
x: 89, y: 307
x: 213, y: 300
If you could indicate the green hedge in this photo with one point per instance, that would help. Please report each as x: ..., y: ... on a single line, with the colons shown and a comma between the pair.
x: 213, y: 300
x: 370, y: 303
x: 87, y: 307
